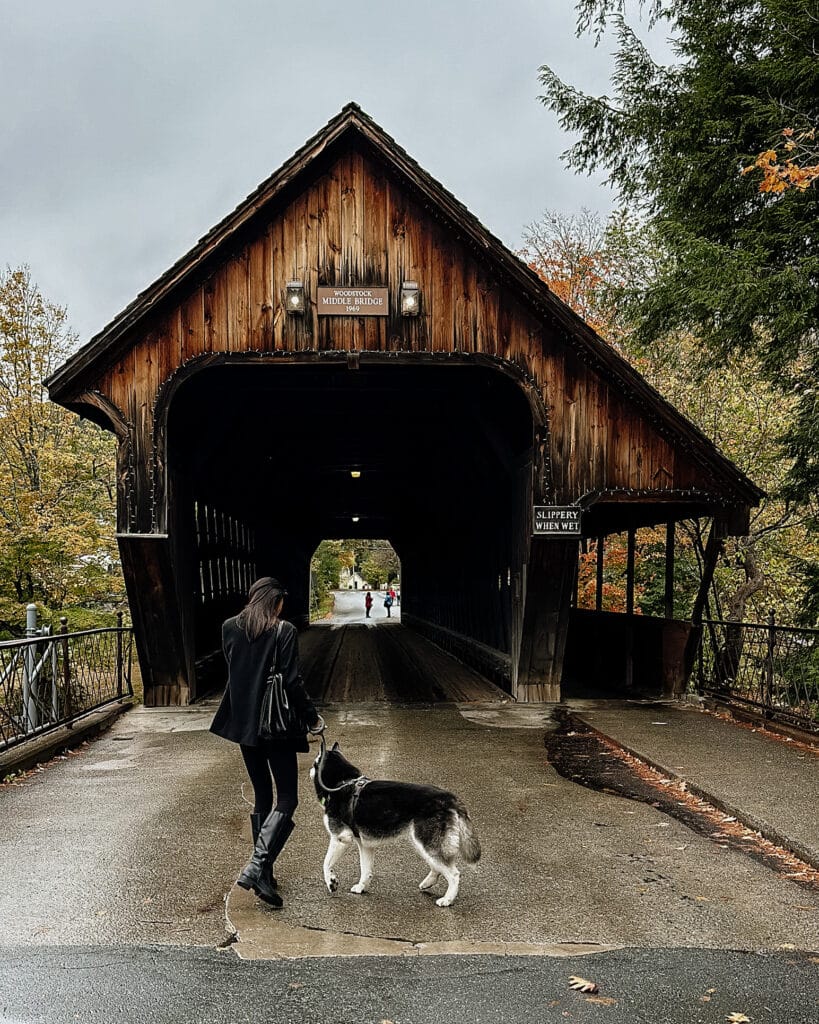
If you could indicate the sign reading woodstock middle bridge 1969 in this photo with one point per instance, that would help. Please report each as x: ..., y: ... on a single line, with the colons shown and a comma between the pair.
x: 556, y: 521
x: 352, y: 302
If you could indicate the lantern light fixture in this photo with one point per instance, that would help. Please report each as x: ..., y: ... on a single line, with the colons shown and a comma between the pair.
x: 356, y: 518
x: 410, y: 298
x: 355, y: 473
x: 294, y: 298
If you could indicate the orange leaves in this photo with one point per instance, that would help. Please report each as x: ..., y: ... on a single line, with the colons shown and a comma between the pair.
x: 799, y: 169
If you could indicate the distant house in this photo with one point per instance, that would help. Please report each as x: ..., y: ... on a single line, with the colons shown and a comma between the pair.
x: 351, y: 580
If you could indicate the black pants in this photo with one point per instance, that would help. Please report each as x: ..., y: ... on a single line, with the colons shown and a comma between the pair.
x: 282, y: 765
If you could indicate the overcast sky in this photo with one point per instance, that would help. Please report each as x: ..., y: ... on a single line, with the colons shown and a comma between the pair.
x: 128, y: 128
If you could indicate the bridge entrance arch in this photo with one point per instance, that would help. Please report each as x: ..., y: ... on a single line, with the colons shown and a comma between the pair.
x: 245, y: 389
x: 265, y: 458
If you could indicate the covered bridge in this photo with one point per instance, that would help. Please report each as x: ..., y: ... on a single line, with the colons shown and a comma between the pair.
x: 352, y: 316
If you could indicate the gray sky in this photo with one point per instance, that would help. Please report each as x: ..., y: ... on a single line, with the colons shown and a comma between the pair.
x: 128, y: 128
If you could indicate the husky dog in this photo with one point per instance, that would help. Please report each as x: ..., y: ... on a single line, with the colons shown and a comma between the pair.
x: 358, y: 810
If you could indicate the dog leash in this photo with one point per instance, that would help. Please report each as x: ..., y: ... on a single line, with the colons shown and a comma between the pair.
x: 359, y: 782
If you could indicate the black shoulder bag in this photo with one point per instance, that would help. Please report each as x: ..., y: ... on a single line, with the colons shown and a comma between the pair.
x: 278, y: 717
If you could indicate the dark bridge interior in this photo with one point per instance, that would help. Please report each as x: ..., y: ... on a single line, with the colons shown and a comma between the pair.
x: 261, y: 461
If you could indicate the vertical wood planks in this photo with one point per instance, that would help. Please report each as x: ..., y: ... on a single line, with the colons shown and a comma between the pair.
x: 260, y: 294
x: 355, y: 224
x: 192, y: 326
x: 279, y: 276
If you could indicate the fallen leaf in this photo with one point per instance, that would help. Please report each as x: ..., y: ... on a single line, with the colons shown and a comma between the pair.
x: 601, y: 1000
x: 738, y: 1018
x: 581, y: 984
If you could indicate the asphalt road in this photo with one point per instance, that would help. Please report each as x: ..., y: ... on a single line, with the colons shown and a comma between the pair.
x: 349, y: 608
x: 170, y: 985
x: 117, y: 866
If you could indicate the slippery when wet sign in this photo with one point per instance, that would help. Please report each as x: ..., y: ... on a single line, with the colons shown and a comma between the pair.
x: 556, y: 521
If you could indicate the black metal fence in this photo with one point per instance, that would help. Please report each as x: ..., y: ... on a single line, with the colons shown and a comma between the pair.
x: 770, y: 667
x: 48, y: 679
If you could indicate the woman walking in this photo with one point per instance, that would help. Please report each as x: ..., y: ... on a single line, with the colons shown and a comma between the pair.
x: 253, y: 641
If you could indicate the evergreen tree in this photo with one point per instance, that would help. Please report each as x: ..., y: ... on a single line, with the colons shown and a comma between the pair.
x: 741, y: 265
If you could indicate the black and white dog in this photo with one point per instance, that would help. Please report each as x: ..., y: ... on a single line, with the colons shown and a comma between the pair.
x: 366, y: 812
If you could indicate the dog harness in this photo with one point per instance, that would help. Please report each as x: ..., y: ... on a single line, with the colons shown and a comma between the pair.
x: 358, y: 783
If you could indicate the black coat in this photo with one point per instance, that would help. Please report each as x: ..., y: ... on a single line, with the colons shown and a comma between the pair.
x: 249, y: 664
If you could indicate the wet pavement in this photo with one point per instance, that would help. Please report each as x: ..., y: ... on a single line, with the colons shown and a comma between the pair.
x: 769, y: 782
x: 168, y: 985
x: 137, y: 839
x: 134, y: 837
x: 118, y: 899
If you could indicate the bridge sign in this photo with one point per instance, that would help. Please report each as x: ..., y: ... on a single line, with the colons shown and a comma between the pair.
x: 556, y: 521
x: 352, y: 302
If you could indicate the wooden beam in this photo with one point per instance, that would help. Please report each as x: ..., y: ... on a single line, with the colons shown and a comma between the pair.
x: 550, y: 579
x: 632, y: 543
x: 669, y: 570
x: 601, y: 554
x: 713, y: 547
x: 151, y: 585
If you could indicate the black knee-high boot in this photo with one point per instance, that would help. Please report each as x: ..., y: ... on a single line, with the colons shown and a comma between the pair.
x: 256, y: 820
x: 273, y: 834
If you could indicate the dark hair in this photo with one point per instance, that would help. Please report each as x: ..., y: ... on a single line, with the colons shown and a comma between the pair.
x: 259, y: 614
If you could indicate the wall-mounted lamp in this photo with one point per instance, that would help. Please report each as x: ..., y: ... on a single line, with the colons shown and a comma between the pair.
x: 294, y: 298
x: 356, y: 518
x: 355, y: 473
x: 410, y: 298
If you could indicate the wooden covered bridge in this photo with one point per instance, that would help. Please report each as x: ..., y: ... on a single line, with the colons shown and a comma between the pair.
x: 352, y: 316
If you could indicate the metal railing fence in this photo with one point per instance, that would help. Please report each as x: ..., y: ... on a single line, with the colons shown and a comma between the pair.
x: 48, y: 679
x: 770, y: 667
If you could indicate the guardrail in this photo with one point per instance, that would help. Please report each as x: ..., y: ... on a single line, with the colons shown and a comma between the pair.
x: 49, y: 679
x: 772, y: 668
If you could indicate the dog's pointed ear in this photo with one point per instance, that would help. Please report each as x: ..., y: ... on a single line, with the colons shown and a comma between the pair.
x: 335, y: 746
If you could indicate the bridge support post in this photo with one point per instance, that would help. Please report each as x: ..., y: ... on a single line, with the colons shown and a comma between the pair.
x: 155, y: 609
x: 550, y: 579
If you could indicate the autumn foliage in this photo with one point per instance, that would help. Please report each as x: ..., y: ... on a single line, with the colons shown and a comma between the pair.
x: 797, y: 166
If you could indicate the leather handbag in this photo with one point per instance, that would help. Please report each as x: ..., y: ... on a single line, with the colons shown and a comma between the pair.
x: 278, y: 717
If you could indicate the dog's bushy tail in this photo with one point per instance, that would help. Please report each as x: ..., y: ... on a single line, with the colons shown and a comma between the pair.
x: 468, y: 842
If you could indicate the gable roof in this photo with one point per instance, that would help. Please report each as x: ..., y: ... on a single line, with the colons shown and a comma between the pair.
x: 105, y: 346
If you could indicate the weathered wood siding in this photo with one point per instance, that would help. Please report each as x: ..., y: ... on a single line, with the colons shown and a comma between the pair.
x: 356, y: 226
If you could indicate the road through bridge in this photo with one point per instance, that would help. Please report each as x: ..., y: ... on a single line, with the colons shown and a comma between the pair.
x: 351, y: 659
